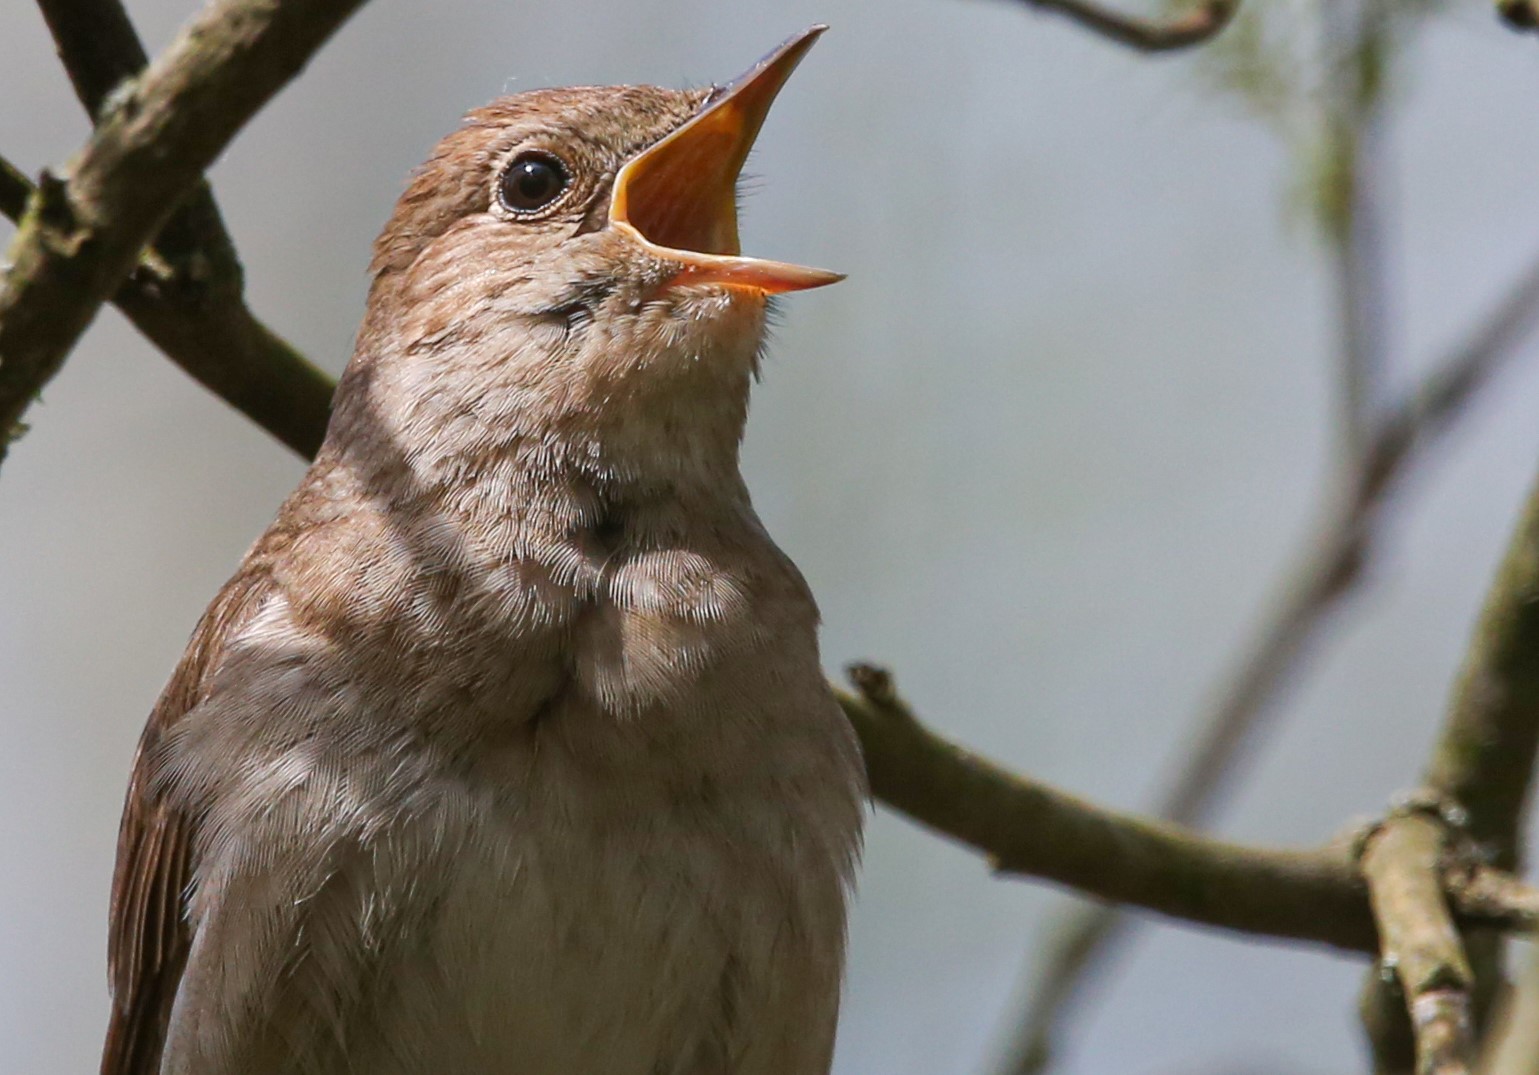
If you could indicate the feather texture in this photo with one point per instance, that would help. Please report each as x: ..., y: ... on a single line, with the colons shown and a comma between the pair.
x: 506, y: 751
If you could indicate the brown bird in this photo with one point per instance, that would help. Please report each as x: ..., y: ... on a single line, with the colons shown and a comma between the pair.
x: 506, y: 750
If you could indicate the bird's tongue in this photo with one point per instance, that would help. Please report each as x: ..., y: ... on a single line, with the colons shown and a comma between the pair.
x: 679, y: 196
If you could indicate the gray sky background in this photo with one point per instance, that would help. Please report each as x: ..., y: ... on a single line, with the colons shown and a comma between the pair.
x: 1044, y: 453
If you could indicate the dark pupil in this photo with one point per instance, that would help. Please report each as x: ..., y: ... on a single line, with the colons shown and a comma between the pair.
x: 532, y: 183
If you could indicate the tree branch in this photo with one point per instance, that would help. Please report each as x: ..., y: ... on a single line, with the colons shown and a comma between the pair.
x: 102, y: 53
x: 1402, y: 864
x: 1484, y: 757
x: 1482, y: 764
x: 195, y: 311
x: 1146, y: 35
x: 15, y: 189
x: 1519, y: 14
x: 97, y: 45
x: 214, y: 337
x: 1030, y: 829
x: 80, y: 237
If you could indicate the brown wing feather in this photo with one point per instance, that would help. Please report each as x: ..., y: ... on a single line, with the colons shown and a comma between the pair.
x: 148, y: 935
x: 147, y: 945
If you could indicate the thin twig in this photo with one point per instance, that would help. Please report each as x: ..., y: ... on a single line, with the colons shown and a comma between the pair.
x: 1030, y: 829
x: 1386, y: 1003
x: 1200, y: 24
x: 81, y: 236
x: 1474, y: 887
x: 1348, y: 210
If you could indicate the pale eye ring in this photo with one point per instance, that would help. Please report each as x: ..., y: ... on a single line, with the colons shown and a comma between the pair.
x: 532, y: 181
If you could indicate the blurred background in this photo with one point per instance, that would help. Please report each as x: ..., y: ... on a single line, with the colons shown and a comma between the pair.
x: 1045, y: 454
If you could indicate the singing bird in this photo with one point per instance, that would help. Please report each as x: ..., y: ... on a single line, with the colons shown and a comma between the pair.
x: 506, y: 750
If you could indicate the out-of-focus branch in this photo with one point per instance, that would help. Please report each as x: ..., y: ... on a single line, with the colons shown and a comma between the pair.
x: 1355, y: 44
x: 1513, y: 1046
x: 1330, y: 565
x: 1519, y: 14
x: 80, y: 237
x: 1028, y: 828
x: 1085, y: 935
x: 215, y: 337
x: 1472, y: 887
x: 1484, y: 757
x: 15, y: 189
x: 1483, y: 760
x: 1379, y: 449
x: 1402, y: 863
x: 1146, y: 35
x: 97, y: 45
x: 1375, y: 453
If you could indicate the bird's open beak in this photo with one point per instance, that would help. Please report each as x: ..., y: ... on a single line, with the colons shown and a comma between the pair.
x: 678, y: 197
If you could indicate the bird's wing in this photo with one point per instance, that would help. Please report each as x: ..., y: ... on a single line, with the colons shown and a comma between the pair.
x: 148, y: 934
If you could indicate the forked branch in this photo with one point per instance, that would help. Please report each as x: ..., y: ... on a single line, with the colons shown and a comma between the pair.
x: 210, y: 332
x: 81, y: 236
x: 1402, y: 862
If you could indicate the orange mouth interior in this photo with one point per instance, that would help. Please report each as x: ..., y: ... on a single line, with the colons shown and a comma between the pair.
x: 678, y: 197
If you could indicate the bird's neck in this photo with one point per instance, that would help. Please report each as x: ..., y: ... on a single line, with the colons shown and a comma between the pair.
x: 648, y: 441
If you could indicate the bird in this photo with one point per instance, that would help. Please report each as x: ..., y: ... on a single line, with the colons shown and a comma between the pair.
x: 506, y: 750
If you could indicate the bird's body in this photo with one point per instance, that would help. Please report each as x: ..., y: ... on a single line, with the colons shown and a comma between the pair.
x: 507, y: 750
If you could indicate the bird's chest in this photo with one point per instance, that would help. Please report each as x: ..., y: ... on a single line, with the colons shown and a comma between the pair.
x: 642, y: 901
x: 626, y: 627
x: 602, y: 821
x: 658, y: 845
x: 549, y: 955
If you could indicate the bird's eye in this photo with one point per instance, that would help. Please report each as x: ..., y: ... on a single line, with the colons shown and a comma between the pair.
x: 532, y: 182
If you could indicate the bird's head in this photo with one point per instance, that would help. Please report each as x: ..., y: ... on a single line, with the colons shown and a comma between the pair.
x: 572, y: 252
